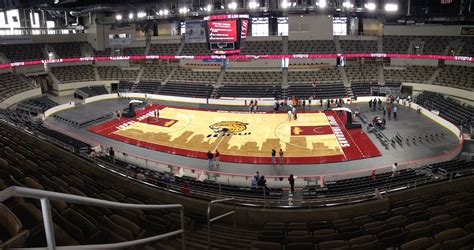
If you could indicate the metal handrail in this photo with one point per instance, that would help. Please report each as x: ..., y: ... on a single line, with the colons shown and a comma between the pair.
x: 210, y: 220
x: 46, y: 196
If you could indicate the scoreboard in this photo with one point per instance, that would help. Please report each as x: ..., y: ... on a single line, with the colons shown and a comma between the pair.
x: 225, y: 32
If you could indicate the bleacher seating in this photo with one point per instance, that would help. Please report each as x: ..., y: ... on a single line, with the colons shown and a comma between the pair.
x: 261, y: 47
x: 116, y: 73
x: 253, y: 77
x: 164, y: 49
x: 456, y: 167
x: 12, y: 84
x: 444, y: 218
x: 150, y: 87
x: 416, y: 74
x: 354, y: 46
x: 365, y: 72
x: 90, y: 91
x: 76, y: 73
x: 450, y: 109
x: 133, y: 51
x: 435, y: 45
x: 156, y: 72
x: 251, y: 91
x: 363, y: 88
x: 457, y: 77
x: 190, y: 90
x: 396, y: 44
x: 468, y: 47
x: 317, y: 91
x: 323, y: 75
x: 194, y: 76
x: 311, y: 46
x: 105, y: 52
x: 24, y: 52
x: 68, y: 50
x: 195, y: 49
x: 38, y: 104
x: 363, y: 184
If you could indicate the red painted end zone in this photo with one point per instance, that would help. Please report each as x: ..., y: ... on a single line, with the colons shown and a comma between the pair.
x: 355, y: 142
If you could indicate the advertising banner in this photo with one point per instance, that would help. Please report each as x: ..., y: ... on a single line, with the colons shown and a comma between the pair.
x: 195, y: 32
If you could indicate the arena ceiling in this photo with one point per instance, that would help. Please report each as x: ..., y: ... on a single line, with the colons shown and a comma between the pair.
x: 457, y: 11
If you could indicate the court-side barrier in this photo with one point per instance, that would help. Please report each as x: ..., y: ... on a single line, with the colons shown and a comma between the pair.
x: 241, y: 57
x: 272, y: 180
x: 58, y: 108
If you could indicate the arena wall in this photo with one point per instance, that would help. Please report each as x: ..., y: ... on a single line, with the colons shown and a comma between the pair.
x: 20, y: 97
x: 423, y: 30
x: 408, y: 61
x: 310, y: 27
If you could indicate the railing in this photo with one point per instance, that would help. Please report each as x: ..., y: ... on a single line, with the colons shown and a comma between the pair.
x: 210, y: 220
x: 46, y: 196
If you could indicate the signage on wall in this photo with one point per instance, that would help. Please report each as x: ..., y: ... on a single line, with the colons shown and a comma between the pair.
x: 467, y: 31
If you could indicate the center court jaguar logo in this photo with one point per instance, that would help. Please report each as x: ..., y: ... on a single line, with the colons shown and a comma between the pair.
x: 228, y: 128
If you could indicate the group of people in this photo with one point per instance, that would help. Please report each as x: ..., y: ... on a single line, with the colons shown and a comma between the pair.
x: 214, y: 159
x: 259, y: 182
x: 292, y: 112
x: 374, y: 103
x: 253, y: 107
x: 280, y: 153
x: 390, y: 107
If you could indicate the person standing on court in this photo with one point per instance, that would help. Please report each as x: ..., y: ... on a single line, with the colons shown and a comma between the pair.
x: 112, y: 154
x: 274, y: 156
x: 210, y: 157
x: 395, y: 109
x: 281, y: 156
x: 217, y: 158
x: 370, y: 104
x: 291, y: 181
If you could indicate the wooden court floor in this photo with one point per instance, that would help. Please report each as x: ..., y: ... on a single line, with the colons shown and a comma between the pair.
x: 237, y: 133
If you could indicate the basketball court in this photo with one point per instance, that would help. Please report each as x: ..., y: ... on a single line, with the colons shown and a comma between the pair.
x: 315, y: 137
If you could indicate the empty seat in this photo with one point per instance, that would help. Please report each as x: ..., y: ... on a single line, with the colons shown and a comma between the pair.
x: 421, y: 243
x: 366, y: 242
x: 333, y: 244
x: 265, y: 245
x: 11, y: 229
x: 393, y: 237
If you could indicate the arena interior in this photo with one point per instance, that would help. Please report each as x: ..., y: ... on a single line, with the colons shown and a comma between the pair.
x: 237, y: 124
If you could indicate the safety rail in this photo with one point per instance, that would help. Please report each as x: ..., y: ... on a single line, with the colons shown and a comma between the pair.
x: 46, y: 196
x: 210, y: 220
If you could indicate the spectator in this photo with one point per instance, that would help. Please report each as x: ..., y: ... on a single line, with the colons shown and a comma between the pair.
x: 281, y: 156
x: 112, y: 154
x: 210, y: 158
x: 262, y: 183
x: 141, y: 176
x: 374, y: 176
x: 273, y: 157
x: 185, y: 187
x: 377, y: 193
x: 291, y: 181
x: 394, y: 169
x: 370, y: 104
x: 304, y: 104
x: 217, y: 158
x: 254, y: 181
x: 257, y: 175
